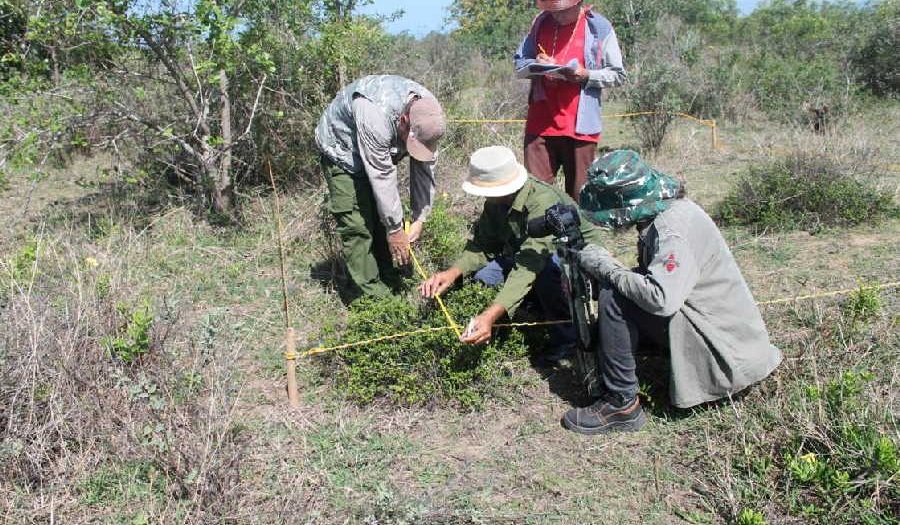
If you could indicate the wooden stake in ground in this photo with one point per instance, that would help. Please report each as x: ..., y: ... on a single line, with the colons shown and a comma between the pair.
x: 290, y: 337
x: 290, y: 363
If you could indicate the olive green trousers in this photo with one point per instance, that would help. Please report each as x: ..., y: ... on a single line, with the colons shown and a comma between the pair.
x: 363, y: 236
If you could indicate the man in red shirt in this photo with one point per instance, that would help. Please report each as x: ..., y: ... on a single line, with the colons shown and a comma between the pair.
x: 564, y: 109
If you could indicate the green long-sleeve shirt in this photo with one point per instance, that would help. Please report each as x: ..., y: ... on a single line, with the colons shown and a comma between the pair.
x: 502, y: 231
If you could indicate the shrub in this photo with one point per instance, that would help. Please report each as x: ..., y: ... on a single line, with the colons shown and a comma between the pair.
x: 655, y: 87
x: 444, y: 236
x: 878, y: 63
x: 425, y: 367
x: 133, y: 339
x: 862, y: 305
x: 751, y: 517
x: 804, y: 192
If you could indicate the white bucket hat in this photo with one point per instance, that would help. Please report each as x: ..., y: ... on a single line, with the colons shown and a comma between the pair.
x: 494, y: 172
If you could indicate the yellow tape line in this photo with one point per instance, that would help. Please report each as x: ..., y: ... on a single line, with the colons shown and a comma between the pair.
x: 440, y: 302
x: 710, y: 123
x: 322, y: 349
x: 828, y: 294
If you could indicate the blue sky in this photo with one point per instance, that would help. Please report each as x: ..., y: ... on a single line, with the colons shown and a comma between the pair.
x: 423, y: 16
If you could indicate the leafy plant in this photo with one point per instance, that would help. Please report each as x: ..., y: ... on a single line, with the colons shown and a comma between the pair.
x: 444, y: 236
x: 804, y: 192
x: 845, y: 444
x: 862, y: 305
x: 19, y: 267
x: 655, y: 88
x: 424, y: 367
x: 133, y: 339
x: 114, y: 484
x: 751, y: 517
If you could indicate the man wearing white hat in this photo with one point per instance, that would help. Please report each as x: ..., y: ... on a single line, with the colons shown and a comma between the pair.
x: 500, y: 246
x: 369, y: 127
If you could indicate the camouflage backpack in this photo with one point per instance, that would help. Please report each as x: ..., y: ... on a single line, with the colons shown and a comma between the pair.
x: 622, y: 189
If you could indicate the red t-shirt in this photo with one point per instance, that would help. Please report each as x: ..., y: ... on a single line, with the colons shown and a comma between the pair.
x: 555, y: 115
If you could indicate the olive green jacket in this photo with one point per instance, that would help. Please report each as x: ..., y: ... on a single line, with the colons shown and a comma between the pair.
x: 501, y: 231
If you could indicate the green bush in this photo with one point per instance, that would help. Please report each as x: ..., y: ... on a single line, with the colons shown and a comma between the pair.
x: 425, y: 367
x: 751, y: 517
x: 133, y: 338
x: 804, y: 192
x: 793, y: 56
x: 444, y: 236
x: 18, y: 268
x: 655, y: 87
x: 863, y: 305
x: 877, y: 60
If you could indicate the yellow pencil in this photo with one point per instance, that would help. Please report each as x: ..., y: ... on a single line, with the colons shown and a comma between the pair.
x: 542, y: 50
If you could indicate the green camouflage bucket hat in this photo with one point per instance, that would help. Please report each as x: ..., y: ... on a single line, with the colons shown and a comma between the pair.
x: 622, y: 189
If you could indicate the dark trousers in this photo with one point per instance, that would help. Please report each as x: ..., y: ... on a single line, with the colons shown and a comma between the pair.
x: 363, y: 237
x: 547, y: 289
x: 622, y: 326
x: 545, y: 155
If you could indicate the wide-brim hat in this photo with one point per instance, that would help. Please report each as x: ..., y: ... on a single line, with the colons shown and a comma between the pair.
x: 556, y: 5
x: 623, y: 189
x: 494, y: 172
x: 427, y: 125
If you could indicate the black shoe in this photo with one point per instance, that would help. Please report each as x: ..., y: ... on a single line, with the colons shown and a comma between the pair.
x: 604, y: 416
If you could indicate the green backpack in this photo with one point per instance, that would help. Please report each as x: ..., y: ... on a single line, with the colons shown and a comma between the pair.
x: 622, y: 189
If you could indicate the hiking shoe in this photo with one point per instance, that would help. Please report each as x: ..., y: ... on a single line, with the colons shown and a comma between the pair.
x: 605, y: 416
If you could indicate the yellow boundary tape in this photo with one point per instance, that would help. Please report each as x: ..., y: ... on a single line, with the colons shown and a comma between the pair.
x: 440, y: 301
x: 882, y: 286
x: 322, y: 350
x: 706, y: 122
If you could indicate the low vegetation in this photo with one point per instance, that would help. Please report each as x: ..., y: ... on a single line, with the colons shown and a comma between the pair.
x: 425, y: 367
x: 825, y: 448
x: 806, y: 192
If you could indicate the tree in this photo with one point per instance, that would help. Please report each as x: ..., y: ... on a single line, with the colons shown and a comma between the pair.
x: 494, y: 28
x: 877, y: 61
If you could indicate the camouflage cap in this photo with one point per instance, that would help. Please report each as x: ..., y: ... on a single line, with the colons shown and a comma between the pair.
x: 622, y: 189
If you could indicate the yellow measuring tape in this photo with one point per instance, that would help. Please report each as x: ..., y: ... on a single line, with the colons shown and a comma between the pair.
x: 440, y: 302
x: 324, y: 349
x: 882, y: 286
x: 705, y: 122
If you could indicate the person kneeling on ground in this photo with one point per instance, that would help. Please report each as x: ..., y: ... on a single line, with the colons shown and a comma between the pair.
x: 687, y: 295
x: 500, y: 247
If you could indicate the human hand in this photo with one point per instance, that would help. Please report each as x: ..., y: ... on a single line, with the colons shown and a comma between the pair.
x: 415, y: 230
x: 543, y: 58
x: 480, y: 327
x: 398, y: 244
x: 478, y: 331
x: 439, y: 282
x: 579, y: 76
x: 590, y: 255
